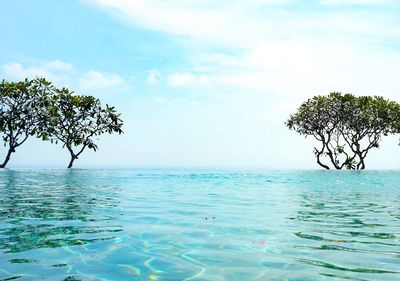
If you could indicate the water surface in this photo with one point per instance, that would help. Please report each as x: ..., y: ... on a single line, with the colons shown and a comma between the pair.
x: 199, y: 225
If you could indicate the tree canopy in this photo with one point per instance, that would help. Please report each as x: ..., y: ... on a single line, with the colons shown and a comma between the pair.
x: 20, y: 106
x: 346, y: 126
x: 75, y: 120
x: 37, y: 107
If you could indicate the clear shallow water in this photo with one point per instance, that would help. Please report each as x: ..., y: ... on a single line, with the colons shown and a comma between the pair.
x: 182, y: 225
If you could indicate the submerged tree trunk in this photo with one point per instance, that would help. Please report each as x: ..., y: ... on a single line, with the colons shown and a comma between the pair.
x: 73, y: 155
x: 8, y: 156
x: 71, y: 162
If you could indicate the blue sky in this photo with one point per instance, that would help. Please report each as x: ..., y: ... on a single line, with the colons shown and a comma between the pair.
x: 203, y: 83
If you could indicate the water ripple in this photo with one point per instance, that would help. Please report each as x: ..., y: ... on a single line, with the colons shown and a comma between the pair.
x: 199, y: 225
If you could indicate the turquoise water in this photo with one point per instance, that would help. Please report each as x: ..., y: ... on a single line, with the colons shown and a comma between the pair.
x: 198, y: 225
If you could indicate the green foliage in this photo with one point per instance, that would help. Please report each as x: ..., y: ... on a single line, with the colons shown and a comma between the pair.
x: 20, y: 106
x: 75, y: 121
x: 36, y: 107
x: 347, y: 126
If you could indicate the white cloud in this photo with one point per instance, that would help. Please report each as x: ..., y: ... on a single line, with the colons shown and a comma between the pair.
x: 65, y: 74
x: 95, y: 80
x: 201, y: 20
x: 59, y: 65
x: 274, y: 48
x: 240, y: 23
x: 186, y: 79
x: 354, y: 2
x: 49, y: 70
x: 306, y: 68
x: 294, y: 69
x: 153, y: 76
x: 15, y: 70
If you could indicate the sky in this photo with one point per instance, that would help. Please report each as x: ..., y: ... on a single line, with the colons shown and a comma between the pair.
x: 203, y: 83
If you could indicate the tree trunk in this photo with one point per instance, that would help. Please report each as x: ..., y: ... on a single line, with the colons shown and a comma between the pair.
x: 322, y: 165
x: 73, y: 156
x: 11, y: 150
x: 361, y: 164
x: 71, y: 162
x: 318, y: 154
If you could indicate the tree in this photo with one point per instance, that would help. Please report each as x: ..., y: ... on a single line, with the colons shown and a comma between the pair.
x: 75, y: 120
x: 20, y: 105
x: 347, y: 127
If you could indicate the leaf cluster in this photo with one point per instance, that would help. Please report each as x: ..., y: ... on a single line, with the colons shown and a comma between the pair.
x: 76, y: 120
x: 21, y: 104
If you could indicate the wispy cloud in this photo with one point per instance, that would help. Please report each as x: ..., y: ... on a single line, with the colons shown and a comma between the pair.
x: 271, y: 46
x: 245, y: 23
